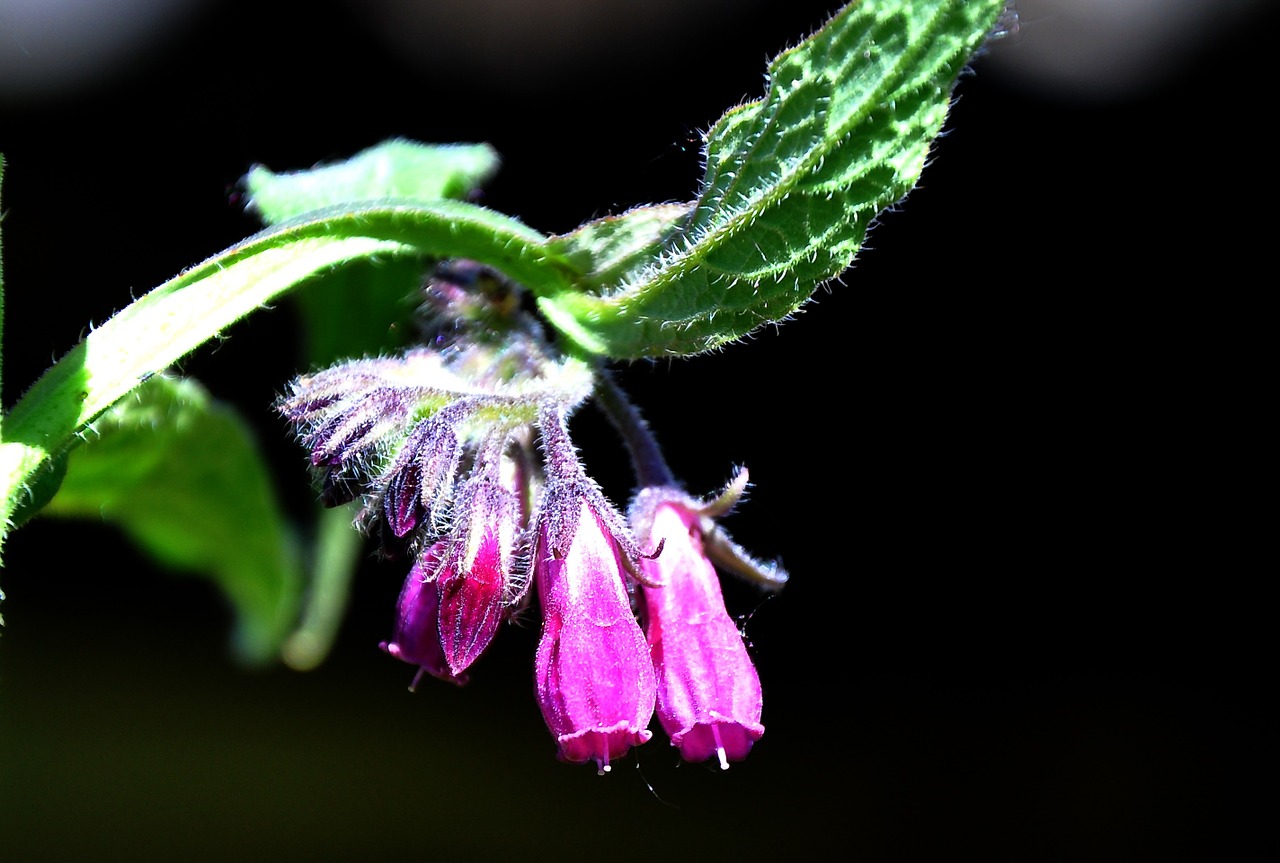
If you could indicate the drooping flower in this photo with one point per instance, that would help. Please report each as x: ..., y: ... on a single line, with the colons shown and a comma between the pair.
x: 709, y: 698
x: 595, y: 682
x: 416, y: 636
x: 440, y: 445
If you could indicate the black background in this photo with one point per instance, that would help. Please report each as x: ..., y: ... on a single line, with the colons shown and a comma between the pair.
x: 1009, y: 461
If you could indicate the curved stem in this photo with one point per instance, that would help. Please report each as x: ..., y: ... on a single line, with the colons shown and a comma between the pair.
x: 646, y: 456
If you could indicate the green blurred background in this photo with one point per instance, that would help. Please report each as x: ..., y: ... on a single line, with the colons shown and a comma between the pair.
x: 1004, y: 460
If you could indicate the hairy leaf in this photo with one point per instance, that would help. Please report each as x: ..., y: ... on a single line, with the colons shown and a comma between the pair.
x: 334, y: 327
x: 792, y: 181
x: 609, y: 250
x: 180, y: 315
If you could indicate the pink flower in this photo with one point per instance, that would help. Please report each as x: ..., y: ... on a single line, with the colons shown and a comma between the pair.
x: 708, y: 691
x: 416, y: 637
x: 462, y: 587
x: 595, y: 683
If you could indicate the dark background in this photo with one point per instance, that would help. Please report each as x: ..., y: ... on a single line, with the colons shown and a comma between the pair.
x: 1009, y: 461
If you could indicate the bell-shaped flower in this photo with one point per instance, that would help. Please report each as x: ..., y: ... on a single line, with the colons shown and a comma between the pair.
x: 709, y: 698
x: 595, y: 683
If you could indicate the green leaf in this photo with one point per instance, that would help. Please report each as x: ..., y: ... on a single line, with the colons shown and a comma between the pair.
x: 40, y: 490
x: 792, y: 182
x: 181, y: 474
x: 609, y: 250
x: 180, y: 315
x: 393, y: 169
x: 335, y: 328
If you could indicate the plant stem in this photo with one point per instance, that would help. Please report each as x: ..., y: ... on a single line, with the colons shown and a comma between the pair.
x: 651, y: 468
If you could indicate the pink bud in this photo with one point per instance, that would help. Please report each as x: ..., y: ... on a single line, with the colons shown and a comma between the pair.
x: 472, y: 605
x: 476, y: 584
x: 416, y: 637
x: 709, y: 696
x: 595, y: 682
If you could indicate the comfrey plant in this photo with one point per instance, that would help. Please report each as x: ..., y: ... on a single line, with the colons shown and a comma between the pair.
x: 459, y: 452
x: 453, y: 450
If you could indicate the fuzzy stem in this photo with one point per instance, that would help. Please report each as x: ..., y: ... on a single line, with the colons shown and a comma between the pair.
x: 560, y: 457
x: 646, y: 457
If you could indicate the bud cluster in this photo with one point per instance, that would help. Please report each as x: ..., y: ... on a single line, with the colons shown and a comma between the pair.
x: 460, y: 455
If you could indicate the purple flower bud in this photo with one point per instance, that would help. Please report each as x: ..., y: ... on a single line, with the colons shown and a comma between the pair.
x: 595, y: 681
x: 354, y: 426
x: 416, y: 637
x: 422, y: 473
x: 318, y: 395
x: 708, y: 691
x: 401, y: 506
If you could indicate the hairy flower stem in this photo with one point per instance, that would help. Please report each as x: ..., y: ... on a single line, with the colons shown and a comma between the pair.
x: 560, y: 457
x: 646, y: 458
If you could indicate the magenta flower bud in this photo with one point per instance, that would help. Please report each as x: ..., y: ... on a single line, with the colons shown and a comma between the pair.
x: 709, y: 697
x: 416, y: 637
x: 475, y: 585
x: 595, y: 682
x: 471, y: 606
x: 479, y: 583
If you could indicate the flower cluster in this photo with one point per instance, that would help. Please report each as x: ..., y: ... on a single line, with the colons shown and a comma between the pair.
x: 460, y: 454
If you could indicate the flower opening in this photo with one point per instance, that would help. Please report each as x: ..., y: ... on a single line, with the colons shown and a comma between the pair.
x: 709, y: 698
x: 595, y: 683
